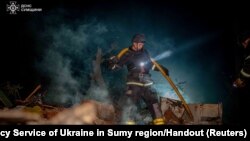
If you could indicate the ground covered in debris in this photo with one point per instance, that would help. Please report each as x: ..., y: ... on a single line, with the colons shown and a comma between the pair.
x: 91, y: 112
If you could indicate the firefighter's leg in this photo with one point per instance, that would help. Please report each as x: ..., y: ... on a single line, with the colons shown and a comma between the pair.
x: 130, y: 107
x: 150, y: 98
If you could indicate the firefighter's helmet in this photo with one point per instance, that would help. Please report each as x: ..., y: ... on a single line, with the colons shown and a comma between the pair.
x: 139, y: 38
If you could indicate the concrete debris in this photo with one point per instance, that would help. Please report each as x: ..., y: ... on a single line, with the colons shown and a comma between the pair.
x: 204, y: 114
x: 90, y: 112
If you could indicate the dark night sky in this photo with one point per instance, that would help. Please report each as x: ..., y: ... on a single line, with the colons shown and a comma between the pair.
x: 201, y: 35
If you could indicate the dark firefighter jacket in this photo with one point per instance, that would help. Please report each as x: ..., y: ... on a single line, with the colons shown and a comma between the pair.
x: 138, y: 65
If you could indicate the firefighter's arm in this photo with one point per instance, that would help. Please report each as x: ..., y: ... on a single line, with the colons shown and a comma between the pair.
x: 113, y: 63
x: 164, y: 69
x: 116, y: 62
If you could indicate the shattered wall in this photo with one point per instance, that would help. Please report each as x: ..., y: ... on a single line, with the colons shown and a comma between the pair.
x: 204, y: 114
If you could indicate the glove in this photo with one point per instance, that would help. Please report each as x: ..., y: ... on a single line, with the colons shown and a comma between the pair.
x: 113, y: 63
x: 164, y: 69
x: 113, y: 60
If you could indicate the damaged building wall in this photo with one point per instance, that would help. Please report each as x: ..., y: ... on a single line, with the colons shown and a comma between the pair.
x: 204, y: 114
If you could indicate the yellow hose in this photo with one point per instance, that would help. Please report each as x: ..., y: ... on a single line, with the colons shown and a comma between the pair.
x: 175, y: 88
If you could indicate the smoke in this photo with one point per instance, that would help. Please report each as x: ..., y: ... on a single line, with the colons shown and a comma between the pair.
x: 133, y: 112
x: 128, y: 112
x: 62, y: 82
x: 98, y: 93
x: 67, y: 60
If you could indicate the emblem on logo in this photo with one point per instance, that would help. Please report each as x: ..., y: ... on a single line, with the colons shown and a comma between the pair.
x: 13, y: 7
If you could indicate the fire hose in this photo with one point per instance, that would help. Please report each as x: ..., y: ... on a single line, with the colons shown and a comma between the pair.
x: 174, y: 87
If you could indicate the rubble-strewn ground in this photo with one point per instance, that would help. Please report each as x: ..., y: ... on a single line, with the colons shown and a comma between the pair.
x: 97, y: 113
x: 87, y: 112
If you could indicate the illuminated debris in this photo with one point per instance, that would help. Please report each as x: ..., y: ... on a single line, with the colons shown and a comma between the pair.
x: 50, y: 112
x: 17, y: 116
x: 35, y: 109
x: 204, y: 114
x: 88, y: 112
x: 32, y: 98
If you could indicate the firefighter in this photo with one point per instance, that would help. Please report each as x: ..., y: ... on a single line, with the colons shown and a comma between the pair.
x: 244, y: 75
x: 241, y: 84
x: 139, y: 82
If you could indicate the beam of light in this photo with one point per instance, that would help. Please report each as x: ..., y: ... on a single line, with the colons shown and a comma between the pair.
x: 163, y: 55
x: 196, y: 42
